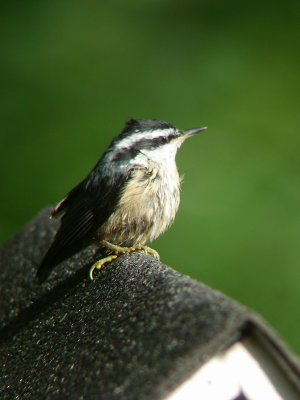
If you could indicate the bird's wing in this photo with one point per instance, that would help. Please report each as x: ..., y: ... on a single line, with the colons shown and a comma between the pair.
x: 84, y: 210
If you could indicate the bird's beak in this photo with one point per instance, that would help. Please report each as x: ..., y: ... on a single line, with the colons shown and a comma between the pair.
x: 191, y: 132
x: 187, y: 133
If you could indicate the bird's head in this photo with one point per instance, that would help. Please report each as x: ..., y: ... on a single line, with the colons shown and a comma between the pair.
x: 153, y: 138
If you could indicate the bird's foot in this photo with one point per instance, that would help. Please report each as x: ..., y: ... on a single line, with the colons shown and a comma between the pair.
x: 119, y: 250
x: 122, y: 250
x: 99, y: 264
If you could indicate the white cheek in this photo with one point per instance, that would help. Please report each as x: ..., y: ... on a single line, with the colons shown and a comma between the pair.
x: 163, y: 154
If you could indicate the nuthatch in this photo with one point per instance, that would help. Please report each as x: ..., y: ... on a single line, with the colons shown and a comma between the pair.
x: 129, y: 198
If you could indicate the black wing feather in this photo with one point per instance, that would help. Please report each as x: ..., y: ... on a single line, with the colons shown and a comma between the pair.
x: 83, y: 211
x: 76, y: 231
x: 83, y: 214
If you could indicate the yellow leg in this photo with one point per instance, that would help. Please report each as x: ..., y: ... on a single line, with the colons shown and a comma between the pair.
x: 118, y: 250
x: 121, y: 250
x: 99, y: 264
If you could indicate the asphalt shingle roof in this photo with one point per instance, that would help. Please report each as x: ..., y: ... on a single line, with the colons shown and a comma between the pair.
x: 135, y: 332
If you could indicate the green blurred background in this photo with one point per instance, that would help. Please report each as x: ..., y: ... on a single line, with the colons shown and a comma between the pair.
x: 72, y: 72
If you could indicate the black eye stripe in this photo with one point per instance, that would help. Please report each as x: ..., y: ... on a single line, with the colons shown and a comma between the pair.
x: 154, y: 142
x: 143, y: 144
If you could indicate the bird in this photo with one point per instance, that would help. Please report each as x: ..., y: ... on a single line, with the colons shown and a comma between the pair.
x: 129, y: 198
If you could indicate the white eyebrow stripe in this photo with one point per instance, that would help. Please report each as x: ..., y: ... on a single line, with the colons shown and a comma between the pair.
x: 136, y: 137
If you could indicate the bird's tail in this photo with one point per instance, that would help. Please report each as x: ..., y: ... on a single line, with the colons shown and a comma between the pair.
x: 53, y: 257
x: 43, y: 271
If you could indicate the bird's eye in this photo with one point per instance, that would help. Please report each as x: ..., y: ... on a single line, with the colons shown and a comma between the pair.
x: 162, y: 140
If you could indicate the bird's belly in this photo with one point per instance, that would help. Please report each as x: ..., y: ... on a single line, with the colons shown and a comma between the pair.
x: 146, y: 209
